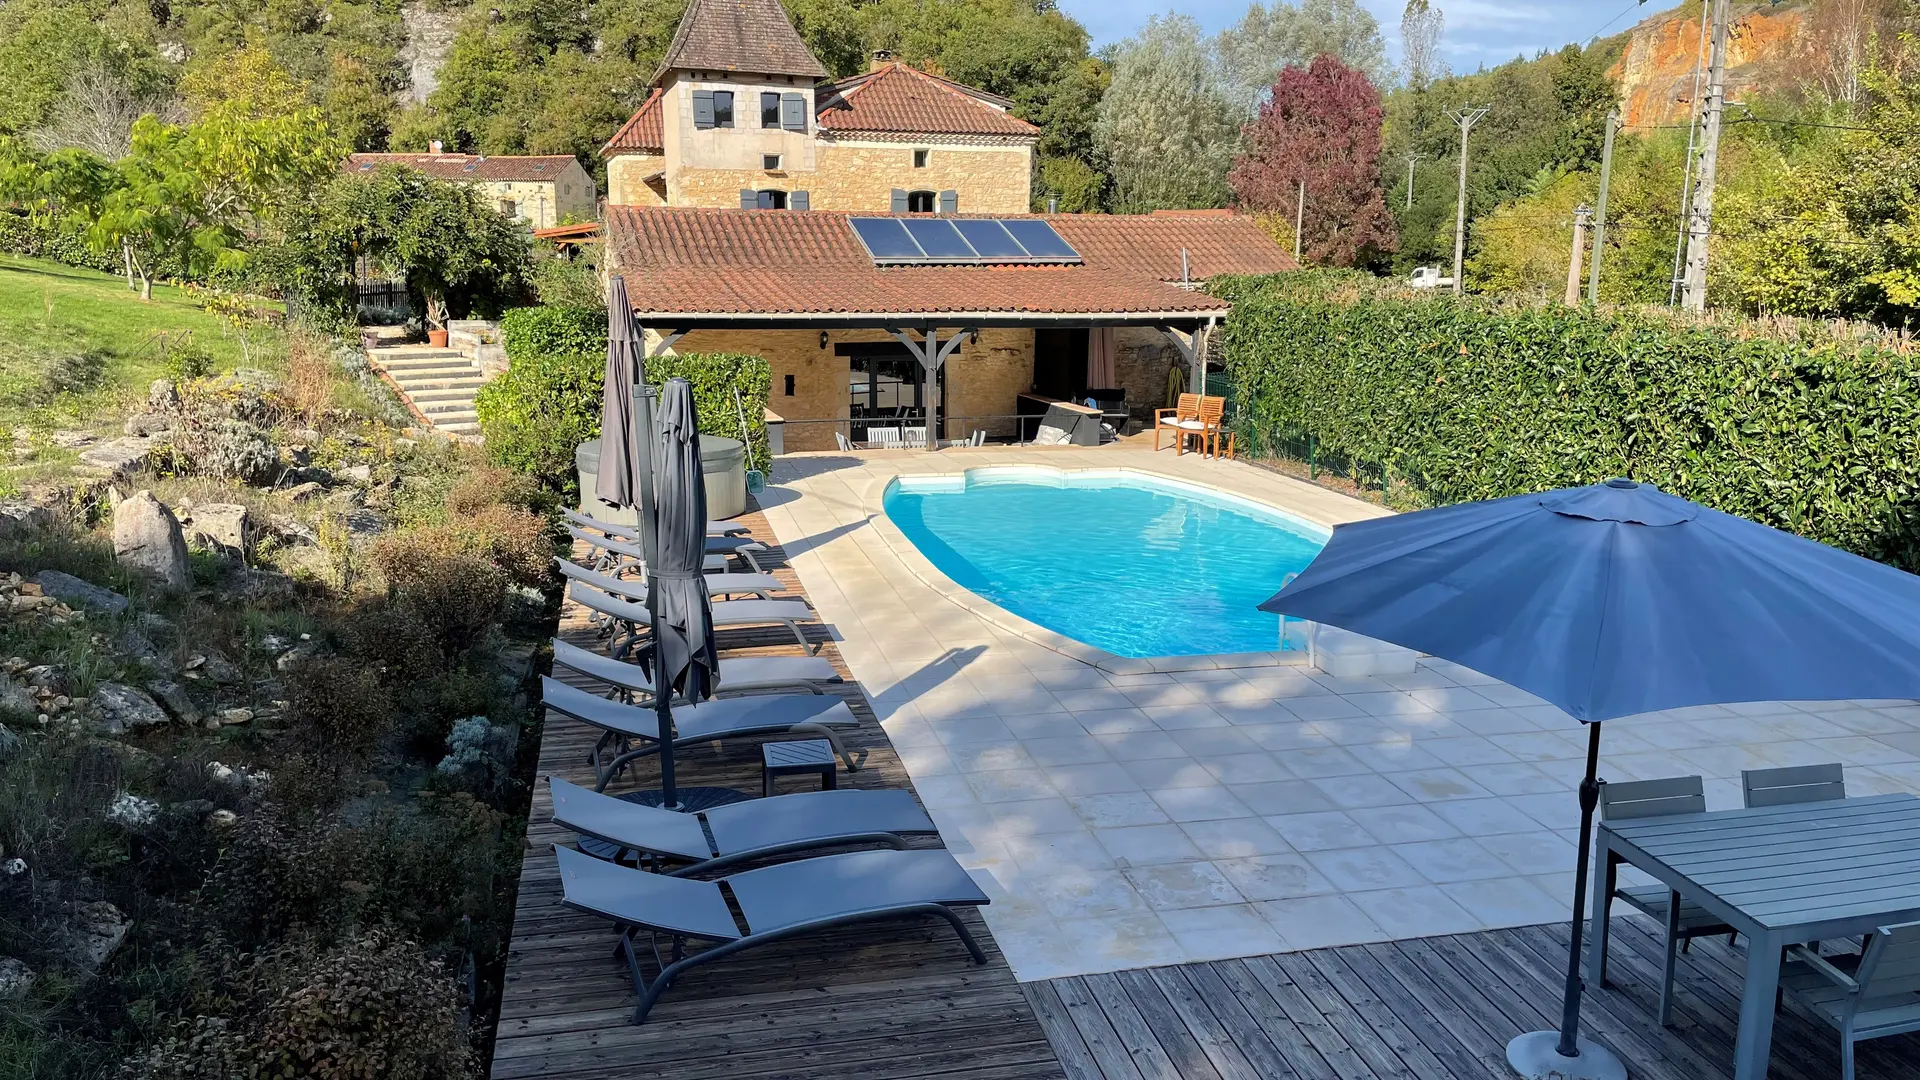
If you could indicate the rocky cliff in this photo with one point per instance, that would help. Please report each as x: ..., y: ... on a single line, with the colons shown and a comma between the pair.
x: 1656, y: 70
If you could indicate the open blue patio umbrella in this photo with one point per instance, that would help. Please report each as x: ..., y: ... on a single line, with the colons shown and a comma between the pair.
x: 1613, y: 600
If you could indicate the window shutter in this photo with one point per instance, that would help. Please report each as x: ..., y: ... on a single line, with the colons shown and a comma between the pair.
x: 797, y: 200
x: 899, y: 201
x: 793, y: 112
x: 749, y: 199
x: 703, y: 108
x: 949, y: 202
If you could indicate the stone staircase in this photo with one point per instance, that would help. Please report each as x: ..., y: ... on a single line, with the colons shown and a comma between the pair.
x: 438, y: 385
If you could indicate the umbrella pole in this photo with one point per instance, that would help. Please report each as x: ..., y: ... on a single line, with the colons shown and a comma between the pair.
x: 1563, y: 1054
x: 643, y: 396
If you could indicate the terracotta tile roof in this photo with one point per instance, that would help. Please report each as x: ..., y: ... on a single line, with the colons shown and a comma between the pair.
x: 739, y: 35
x: 745, y: 262
x: 467, y: 166
x: 898, y: 98
x: 1215, y: 243
x: 642, y: 132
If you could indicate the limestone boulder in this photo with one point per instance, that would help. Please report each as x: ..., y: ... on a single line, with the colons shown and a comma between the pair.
x: 223, y: 528
x: 75, y: 590
x: 118, y: 709
x: 20, y: 516
x: 147, y: 537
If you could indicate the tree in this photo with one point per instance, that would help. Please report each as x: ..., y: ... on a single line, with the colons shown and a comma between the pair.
x: 1164, y: 131
x: 1078, y: 185
x: 1320, y: 126
x: 97, y: 111
x: 1420, y: 28
x: 1252, y: 52
x: 450, y: 244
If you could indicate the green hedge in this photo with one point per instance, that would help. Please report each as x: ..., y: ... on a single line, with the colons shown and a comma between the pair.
x: 1440, y: 400
x: 548, y: 401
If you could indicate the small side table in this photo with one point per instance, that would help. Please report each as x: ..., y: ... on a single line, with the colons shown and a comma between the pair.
x: 798, y: 758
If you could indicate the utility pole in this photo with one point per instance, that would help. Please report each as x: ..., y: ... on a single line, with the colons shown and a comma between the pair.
x: 1693, y: 287
x: 1600, y: 212
x: 1411, y: 158
x: 1466, y: 118
x: 1580, y: 216
x: 1299, y: 220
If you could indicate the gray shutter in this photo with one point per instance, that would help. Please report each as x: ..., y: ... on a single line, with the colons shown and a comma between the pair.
x: 949, y: 202
x: 749, y: 199
x: 703, y: 108
x: 797, y: 200
x: 899, y: 201
x: 793, y: 112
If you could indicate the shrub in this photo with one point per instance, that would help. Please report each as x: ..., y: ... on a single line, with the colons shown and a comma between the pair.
x: 335, y: 707
x: 535, y: 414
x: 729, y: 389
x: 452, y: 578
x: 275, y: 877
x: 1443, y: 400
x: 224, y: 449
x: 554, y: 330
x: 372, y: 1007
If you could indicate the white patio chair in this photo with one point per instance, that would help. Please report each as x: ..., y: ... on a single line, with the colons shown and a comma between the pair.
x: 915, y: 438
x: 841, y: 441
x: 886, y: 438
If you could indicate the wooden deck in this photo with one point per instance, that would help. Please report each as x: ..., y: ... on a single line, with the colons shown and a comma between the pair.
x: 1430, y: 1009
x: 868, y: 1002
x: 901, y: 1000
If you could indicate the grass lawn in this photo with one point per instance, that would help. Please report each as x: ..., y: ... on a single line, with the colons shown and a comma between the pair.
x: 75, y: 344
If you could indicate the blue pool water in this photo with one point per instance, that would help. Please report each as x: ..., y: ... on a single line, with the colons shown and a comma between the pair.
x: 1124, y: 563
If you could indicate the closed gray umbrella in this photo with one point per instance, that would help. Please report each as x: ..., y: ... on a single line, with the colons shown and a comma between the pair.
x: 684, y: 653
x: 626, y: 352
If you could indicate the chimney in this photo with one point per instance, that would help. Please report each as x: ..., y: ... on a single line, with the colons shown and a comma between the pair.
x: 1053, y: 204
x: 434, y: 146
x: 881, y: 58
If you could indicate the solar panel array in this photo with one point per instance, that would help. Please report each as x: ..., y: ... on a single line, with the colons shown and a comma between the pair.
x: 939, y: 241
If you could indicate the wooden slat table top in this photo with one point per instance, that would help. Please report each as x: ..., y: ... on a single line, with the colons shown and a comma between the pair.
x: 866, y: 1002
x: 1794, y: 865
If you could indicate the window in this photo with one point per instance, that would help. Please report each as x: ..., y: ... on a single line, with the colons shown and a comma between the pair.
x: 920, y: 158
x: 769, y: 110
x: 509, y: 207
x: 772, y: 200
x: 770, y: 162
x: 723, y: 108
x: 919, y: 202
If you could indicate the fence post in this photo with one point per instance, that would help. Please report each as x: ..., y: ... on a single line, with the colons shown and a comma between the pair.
x: 1311, y: 448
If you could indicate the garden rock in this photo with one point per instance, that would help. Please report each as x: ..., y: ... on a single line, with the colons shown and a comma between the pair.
x: 308, y: 474
x: 118, y: 709
x: 17, y: 700
x: 223, y: 528
x: 18, y: 516
x: 147, y: 537
x: 174, y: 697
x: 16, y: 978
x: 291, y: 531
x: 163, y: 396
x: 95, y: 931
x: 147, y: 423
x: 120, y: 458
x: 221, y: 670
x: 232, y: 717
x: 73, y: 440
x: 363, y: 524
x: 77, y: 591
x: 259, y: 586
x: 357, y: 474
x: 302, y: 492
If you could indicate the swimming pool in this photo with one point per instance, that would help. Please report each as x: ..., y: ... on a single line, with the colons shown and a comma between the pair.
x: 1124, y: 562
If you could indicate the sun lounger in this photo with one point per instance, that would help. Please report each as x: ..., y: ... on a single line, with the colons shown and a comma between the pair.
x: 635, y: 589
x: 741, y: 545
x: 727, y: 614
x: 737, y: 674
x: 616, y: 555
x: 632, y: 532
x: 776, y: 902
x: 741, y: 832
x: 630, y: 732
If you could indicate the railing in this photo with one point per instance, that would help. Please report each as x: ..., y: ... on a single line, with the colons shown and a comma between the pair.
x: 1002, y: 429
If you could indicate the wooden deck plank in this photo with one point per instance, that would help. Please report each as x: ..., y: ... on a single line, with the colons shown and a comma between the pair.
x: 895, y: 999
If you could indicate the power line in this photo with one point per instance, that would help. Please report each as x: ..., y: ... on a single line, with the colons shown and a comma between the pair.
x: 1591, y: 38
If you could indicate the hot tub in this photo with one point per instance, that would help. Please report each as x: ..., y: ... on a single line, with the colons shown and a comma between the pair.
x: 723, y: 466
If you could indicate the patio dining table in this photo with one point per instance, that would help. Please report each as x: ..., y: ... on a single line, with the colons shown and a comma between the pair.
x: 1777, y: 875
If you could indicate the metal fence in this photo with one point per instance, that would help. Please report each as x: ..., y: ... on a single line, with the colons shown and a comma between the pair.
x: 1002, y: 429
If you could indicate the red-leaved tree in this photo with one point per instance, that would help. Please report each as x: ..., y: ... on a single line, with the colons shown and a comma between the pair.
x: 1321, y: 126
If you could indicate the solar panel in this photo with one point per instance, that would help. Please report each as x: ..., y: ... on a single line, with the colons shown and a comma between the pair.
x: 887, y: 240
x: 1039, y: 239
x: 989, y: 238
x: 939, y: 239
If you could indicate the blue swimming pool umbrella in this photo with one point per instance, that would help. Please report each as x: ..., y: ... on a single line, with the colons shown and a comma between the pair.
x: 1614, y: 600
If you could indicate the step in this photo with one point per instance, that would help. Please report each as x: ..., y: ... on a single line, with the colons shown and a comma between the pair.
x: 413, y: 352
x: 440, y: 371
x: 443, y: 408
x: 415, y: 386
x: 448, y: 393
x: 462, y: 423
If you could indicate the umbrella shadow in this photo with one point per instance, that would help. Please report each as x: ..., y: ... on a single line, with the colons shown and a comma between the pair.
x: 936, y: 671
x: 821, y: 539
x: 786, y: 469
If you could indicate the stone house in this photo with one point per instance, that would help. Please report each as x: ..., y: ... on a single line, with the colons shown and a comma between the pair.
x: 871, y: 237
x: 540, y: 190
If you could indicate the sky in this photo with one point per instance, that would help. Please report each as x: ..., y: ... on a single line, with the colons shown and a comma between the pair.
x: 1478, y: 32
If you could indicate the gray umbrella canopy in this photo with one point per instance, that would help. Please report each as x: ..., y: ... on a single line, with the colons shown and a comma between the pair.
x: 626, y: 352
x: 683, y: 624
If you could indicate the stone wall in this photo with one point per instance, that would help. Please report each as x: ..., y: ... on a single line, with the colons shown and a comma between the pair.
x: 542, y: 203
x: 862, y: 176
x: 627, y: 180
x: 1142, y: 356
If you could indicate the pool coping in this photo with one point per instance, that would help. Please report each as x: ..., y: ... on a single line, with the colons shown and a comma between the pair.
x: 979, y: 606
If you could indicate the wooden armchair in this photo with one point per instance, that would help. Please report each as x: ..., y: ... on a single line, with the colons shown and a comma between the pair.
x: 1183, y: 420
